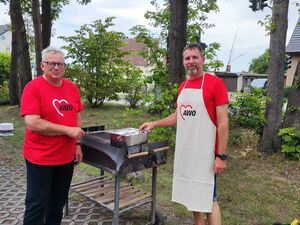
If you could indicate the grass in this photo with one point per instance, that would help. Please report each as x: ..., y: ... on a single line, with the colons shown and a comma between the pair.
x: 257, y: 189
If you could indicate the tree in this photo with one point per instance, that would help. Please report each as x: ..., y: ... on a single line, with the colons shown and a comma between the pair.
x: 181, y: 22
x: 20, y: 60
x: 211, y: 63
x: 97, y: 58
x: 42, y: 22
x: 177, y: 39
x: 270, y: 142
x: 133, y: 85
x: 46, y: 21
x: 162, y: 100
x: 158, y: 101
x: 36, y: 19
x: 20, y: 73
x: 14, y: 88
x: 260, y: 64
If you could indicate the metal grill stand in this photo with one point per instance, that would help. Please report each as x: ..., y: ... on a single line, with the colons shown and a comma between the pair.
x: 109, y: 191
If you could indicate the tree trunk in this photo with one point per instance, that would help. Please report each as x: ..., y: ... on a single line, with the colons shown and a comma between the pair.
x: 292, y: 115
x: 36, y: 19
x: 13, y: 76
x: 270, y: 141
x: 46, y: 23
x: 18, y: 25
x: 177, y: 39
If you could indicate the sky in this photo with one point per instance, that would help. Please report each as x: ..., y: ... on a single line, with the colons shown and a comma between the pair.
x: 234, y: 21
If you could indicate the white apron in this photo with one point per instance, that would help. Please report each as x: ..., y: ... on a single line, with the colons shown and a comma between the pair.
x: 193, y: 178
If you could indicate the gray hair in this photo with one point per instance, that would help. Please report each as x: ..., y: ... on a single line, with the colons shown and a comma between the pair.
x: 51, y: 49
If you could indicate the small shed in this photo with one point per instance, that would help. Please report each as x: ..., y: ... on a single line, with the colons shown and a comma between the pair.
x: 230, y: 80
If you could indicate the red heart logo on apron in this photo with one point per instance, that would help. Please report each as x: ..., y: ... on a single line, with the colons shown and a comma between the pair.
x: 183, y: 108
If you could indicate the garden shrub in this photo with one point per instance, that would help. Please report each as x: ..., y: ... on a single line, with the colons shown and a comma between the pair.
x: 248, y: 110
x: 4, y: 93
x: 291, y: 138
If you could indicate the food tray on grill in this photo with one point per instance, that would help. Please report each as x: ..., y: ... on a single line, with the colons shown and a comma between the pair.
x: 126, y: 137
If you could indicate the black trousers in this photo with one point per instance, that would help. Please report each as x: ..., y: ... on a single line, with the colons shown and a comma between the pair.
x: 47, y: 192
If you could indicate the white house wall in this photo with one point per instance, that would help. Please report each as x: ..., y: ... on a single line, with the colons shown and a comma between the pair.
x: 5, y: 42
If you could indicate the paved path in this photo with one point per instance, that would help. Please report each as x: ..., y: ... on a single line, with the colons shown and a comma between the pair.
x: 81, y: 210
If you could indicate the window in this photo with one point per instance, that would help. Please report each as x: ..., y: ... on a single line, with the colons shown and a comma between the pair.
x: 259, y: 83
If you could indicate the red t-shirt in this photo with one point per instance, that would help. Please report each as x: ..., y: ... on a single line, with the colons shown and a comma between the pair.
x: 214, y: 94
x: 58, y: 105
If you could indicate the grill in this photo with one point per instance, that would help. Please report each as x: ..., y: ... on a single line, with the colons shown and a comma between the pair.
x: 119, y: 154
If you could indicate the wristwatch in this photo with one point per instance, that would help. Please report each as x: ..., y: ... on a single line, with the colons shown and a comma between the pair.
x: 222, y: 156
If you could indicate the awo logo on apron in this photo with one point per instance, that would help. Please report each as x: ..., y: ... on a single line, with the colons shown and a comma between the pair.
x: 187, y: 111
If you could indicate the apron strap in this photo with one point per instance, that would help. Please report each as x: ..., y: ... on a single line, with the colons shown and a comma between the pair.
x: 202, y: 81
x: 185, y: 83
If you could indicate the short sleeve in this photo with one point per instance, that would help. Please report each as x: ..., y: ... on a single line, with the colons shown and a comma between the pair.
x: 30, y: 101
x: 80, y: 105
x: 221, y: 97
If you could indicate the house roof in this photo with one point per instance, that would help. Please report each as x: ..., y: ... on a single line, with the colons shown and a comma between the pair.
x: 294, y: 43
x: 3, y: 29
x: 225, y: 74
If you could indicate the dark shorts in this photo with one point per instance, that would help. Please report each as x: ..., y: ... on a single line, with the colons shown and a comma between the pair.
x: 215, y: 190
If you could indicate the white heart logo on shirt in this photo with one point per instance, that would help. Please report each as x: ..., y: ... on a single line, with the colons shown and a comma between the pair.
x: 56, y: 103
x: 183, y: 108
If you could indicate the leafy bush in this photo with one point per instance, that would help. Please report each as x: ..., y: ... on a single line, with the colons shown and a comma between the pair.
x: 97, y: 60
x: 291, y: 138
x: 133, y: 86
x: 132, y: 118
x: 4, y: 94
x: 4, y: 66
x: 287, y: 91
x: 162, y: 101
x: 248, y: 110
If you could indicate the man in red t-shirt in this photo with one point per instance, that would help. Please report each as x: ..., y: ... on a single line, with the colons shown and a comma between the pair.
x: 201, y: 138
x: 50, y: 106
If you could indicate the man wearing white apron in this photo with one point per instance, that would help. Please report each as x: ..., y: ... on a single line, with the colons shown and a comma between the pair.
x: 201, y: 138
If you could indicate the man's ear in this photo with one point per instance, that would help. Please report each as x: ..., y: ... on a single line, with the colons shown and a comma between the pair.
x: 42, y: 65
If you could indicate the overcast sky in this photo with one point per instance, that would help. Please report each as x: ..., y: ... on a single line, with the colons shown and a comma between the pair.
x: 234, y: 17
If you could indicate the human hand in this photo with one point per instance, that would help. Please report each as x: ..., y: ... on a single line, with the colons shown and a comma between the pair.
x: 146, y: 127
x: 219, y: 166
x: 78, y: 155
x: 75, y: 132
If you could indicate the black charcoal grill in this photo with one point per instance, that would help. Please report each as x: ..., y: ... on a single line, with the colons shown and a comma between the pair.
x: 118, y: 154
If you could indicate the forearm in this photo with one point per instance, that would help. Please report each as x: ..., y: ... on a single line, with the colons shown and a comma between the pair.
x: 79, y: 121
x: 45, y: 127
x: 222, y: 137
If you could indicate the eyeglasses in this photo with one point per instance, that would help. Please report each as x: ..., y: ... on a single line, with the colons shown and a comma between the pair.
x: 52, y: 65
